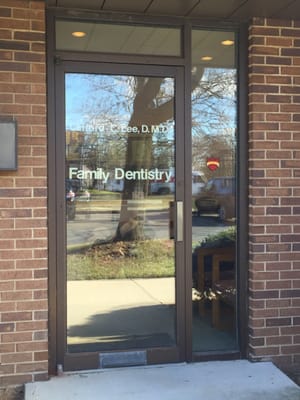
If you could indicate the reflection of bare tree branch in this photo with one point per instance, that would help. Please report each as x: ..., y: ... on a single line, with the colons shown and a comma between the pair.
x: 147, y: 91
x: 153, y: 116
x: 145, y: 109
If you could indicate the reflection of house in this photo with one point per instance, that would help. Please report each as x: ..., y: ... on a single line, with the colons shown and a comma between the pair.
x: 114, y: 185
x: 268, y: 153
x: 74, y: 138
x: 163, y: 187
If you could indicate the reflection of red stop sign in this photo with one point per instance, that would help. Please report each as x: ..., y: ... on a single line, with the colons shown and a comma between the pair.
x: 213, y: 163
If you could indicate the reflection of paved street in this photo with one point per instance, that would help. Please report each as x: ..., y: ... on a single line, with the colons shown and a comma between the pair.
x: 86, y: 228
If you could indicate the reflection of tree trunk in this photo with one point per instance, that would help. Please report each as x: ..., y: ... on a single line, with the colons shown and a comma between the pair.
x: 138, y: 156
x: 139, y: 152
x: 148, y: 109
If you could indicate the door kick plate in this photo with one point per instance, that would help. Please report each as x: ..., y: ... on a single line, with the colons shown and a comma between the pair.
x: 122, y: 359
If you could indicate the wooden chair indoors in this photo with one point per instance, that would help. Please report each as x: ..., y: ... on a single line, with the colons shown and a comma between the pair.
x: 222, y: 288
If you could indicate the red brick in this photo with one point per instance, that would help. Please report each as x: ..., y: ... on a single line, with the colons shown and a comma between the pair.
x: 290, y: 330
x: 32, y: 367
x: 263, y: 313
x: 40, y: 294
x: 6, y: 369
x: 33, y: 264
x: 31, y: 284
x: 32, y: 305
x: 41, y: 356
x: 291, y: 311
x: 7, y: 285
x: 40, y: 335
x: 15, y: 233
x: 7, y: 327
x: 16, y: 316
x: 31, y: 243
x: 16, y: 337
x: 282, y: 340
x: 40, y: 315
x: 254, y: 342
x: 15, y: 274
x: 12, y: 358
x: 6, y: 348
x: 290, y: 349
x: 278, y: 285
x: 32, y: 346
x: 265, y: 351
x: 31, y: 223
x: 16, y: 295
x: 289, y: 274
x: 31, y: 326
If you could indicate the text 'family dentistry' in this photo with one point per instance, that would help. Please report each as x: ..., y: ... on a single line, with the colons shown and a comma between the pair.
x: 142, y: 174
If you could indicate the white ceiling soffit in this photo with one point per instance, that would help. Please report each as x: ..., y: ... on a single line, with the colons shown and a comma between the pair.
x: 213, y: 9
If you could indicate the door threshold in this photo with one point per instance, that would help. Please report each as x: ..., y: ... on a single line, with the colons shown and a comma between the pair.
x: 122, y: 359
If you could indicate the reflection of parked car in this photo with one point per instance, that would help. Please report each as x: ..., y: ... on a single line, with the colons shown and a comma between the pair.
x: 162, y: 187
x: 217, y: 196
x: 165, y: 184
x: 70, y: 201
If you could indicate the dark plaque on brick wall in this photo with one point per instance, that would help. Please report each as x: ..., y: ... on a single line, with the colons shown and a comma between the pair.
x: 8, y: 145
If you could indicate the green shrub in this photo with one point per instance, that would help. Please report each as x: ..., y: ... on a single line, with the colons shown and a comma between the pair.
x: 226, y: 238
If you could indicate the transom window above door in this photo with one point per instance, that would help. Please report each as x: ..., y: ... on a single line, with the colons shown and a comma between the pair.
x: 118, y: 38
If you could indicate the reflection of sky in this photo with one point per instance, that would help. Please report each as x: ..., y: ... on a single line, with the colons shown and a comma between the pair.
x: 96, y: 102
x: 86, y: 94
x: 76, y: 94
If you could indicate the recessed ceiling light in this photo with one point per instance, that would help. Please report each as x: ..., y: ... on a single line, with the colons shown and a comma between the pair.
x: 206, y: 58
x: 227, y: 42
x: 78, y: 34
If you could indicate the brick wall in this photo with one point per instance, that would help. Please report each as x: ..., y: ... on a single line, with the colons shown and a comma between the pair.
x: 274, y: 161
x: 274, y: 193
x: 23, y: 201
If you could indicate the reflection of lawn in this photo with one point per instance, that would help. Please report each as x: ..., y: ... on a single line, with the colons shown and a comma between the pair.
x: 140, y: 259
x: 113, y: 201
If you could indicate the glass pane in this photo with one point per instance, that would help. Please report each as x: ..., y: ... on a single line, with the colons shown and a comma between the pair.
x: 119, y: 39
x: 120, y: 186
x: 214, y: 199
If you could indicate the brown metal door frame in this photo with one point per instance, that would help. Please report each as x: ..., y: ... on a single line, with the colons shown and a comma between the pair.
x: 85, y: 361
x: 154, y: 355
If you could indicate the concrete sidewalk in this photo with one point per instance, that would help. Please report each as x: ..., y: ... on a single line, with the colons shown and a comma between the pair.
x: 219, y: 380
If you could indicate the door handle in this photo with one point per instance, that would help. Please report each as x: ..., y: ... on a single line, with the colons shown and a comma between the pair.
x: 179, y: 222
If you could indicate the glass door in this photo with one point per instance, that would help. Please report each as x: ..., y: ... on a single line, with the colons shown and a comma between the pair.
x: 121, y: 234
